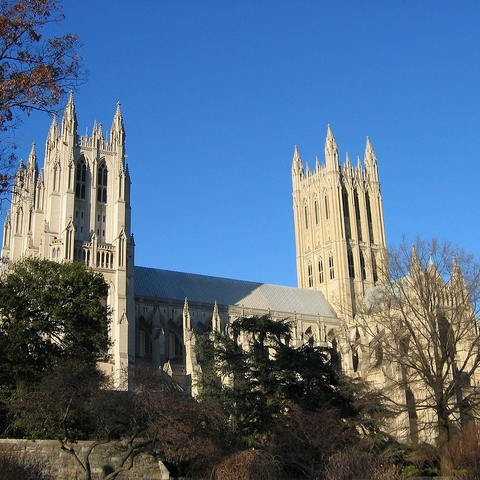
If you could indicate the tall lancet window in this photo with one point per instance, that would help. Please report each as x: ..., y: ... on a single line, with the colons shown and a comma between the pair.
x: 320, y: 270
x: 346, y: 214
x: 81, y: 179
x: 102, y: 179
x: 357, y: 215
x: 362, y: 266
x: 331, y: 267
x: 351, y: 267
x: 369, y: 218
x: 56, y: 177
x: 310, y: 275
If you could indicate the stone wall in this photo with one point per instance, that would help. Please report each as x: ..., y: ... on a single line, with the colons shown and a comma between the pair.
x: 61, y: 465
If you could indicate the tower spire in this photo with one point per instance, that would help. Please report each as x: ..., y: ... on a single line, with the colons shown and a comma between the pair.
x: 298, y: 174
x: 117, y: 132
x: 371, y: 161
x: 53, y: 132
x: 297, y: 164
x: 32, y: 158
x: 69, y: 120
x: 331, y: 151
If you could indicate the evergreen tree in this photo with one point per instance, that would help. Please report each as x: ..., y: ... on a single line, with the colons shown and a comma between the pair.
x: 256, y: 375
x: 50, y: 311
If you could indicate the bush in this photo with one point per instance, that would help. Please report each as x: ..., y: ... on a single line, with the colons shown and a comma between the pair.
x: 354, y: 464
x: 248, y: 465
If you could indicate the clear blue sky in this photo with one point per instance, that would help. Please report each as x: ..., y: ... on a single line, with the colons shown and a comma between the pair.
x: 215, y: 94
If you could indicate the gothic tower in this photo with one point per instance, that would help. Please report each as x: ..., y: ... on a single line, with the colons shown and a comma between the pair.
x: 339, y: 229
x: 78, y: 209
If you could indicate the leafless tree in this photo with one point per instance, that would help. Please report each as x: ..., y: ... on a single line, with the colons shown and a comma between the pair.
x: 419, y: 330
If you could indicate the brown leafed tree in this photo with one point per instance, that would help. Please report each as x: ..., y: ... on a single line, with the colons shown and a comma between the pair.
x: 76, y: 402
x: 422, y: 332
x: 187, y: 435
x: 35, y: 71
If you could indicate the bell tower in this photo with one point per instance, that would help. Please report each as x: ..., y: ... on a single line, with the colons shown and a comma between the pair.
x: 339, y: 228
x: 77, y: 208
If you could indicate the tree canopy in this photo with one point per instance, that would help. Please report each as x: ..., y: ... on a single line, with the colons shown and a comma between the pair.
x: 260, y: 379
x: 50, y: 311
x: 35, y: 71
x: 77, y: 402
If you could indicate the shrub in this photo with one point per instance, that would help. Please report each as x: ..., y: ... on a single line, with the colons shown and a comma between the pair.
x: 248, y: 465
x: 354, y: 464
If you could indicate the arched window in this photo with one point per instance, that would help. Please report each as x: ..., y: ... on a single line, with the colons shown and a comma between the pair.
x: 145, y: 344
x: 19, y: 221
x: 362, y: 266
x: 102, y: 180
x: 358, y: 217
x: 320, y: 271
x: 310, y: 275
x: 331, y: 267
x: 306, y: 216
x: 346, y: 214
x: 374, y: 268
x: 315, y: 209
x: 351, y: 267
x: 175, y: 346
x: 369, y: 217
x: 56, y: 177
x: 327, y: 209
x: 81, y: 179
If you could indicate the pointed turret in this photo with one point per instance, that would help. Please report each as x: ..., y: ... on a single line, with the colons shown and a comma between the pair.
x: 19, y: 181
x: 359, y: 164
x: 53, y: 132
x: 32, y: 159
x: 69, y: 120
x: 187, y: 326
x: 117, y: 132
x: 31, y: 168
x: 416, y: 274
x: 371, y: 161
x: 348, y: 164
x: 216, y: 320
x: 435, y: 280
x: 297, y: 165
x: 331, y: 151
x: 458, y: 289
x: 307, y: 170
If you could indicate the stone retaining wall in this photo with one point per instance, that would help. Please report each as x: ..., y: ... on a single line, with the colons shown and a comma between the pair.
x: 60, y: 465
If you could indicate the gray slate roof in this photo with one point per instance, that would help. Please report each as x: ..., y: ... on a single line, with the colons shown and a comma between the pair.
x: 166, y: 284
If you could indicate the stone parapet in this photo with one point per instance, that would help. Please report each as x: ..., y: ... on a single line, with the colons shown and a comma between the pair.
x: 61, y: 465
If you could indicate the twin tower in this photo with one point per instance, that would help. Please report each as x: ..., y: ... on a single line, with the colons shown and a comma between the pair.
x: 77, y: 208
x: 339, y: 228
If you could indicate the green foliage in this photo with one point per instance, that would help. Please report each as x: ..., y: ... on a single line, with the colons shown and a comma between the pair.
x: 49, y: 311
x: 257, y: 376
x: 71, y: 403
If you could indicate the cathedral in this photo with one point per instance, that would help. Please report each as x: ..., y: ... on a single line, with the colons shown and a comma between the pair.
x: 77, y: 208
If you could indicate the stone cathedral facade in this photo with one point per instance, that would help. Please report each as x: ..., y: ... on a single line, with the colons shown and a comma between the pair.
x: 77, y: 208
